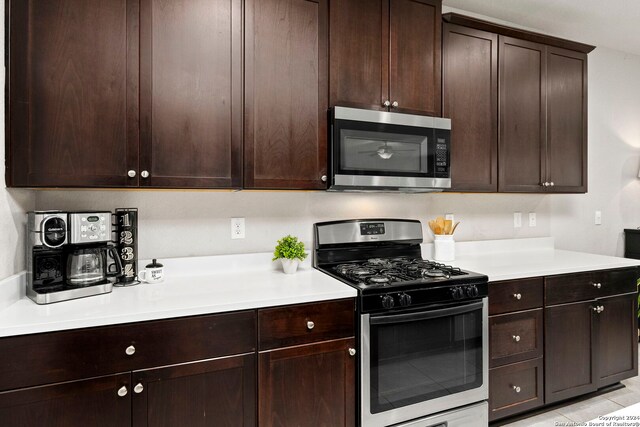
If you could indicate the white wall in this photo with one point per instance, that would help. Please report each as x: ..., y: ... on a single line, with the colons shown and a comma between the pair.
x: 174, y: 224
x: 614, y: 160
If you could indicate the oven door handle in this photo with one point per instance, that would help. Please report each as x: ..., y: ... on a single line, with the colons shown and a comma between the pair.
x: 425, y: 315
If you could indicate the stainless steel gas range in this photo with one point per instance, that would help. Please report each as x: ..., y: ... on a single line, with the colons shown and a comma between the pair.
x: 423, y: 326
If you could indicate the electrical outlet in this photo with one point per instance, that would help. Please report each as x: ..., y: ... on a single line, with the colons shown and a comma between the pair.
x: 237, y: 228
x: 598, y: 218
x: 449, y: 216
x: 532, y: 219
x: 517, y: 219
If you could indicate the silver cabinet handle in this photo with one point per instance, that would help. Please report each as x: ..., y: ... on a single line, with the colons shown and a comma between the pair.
x: 516, y: 338
x: 144, y: 174
x: 131, y: 173
x: 352, y: 351
x: 130, y: 350
x: 516, y: 389
x: 138, y: 388
x: 517, y: 296
x: 310, y: 325
x: 323, y: 178
x: 395, y: 104
x: 122, y: 391
x: 386, y: 103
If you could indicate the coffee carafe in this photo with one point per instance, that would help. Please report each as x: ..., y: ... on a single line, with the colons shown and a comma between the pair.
x: 91, y: 265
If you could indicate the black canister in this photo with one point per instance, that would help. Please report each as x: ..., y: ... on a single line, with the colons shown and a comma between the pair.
x: 126, y: 223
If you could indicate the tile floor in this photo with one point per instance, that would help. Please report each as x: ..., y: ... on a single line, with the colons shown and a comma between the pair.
x: 589, y: 409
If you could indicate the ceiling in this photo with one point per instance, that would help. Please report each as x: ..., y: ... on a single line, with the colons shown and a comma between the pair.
x: 614, y: 24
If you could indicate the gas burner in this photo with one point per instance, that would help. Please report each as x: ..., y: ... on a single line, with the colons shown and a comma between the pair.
x: 362, y: 272
x: 377, y: 261
x: 435, y: 272
x: 379, y: 279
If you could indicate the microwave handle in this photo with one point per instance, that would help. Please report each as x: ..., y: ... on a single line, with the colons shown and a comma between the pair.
x: 425, y: 315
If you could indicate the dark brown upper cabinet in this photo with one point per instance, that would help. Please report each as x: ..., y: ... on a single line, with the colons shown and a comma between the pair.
x: 540, y: 122
x: 73, y: 93
x: 470, y: 100
x: 285, y: 127
x: 386, y: 55
x: 191, y: 93
x: 125, y: 93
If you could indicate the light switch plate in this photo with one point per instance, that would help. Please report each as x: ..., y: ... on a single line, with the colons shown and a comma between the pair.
x: 598, y: 218
x: 532, y: 219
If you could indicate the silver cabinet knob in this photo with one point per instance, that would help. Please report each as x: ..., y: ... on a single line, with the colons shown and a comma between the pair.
x: 310, y: 325
x: 130, y: 350
x: 601, y: 309
x: 395, y: 104
x: 516, y: 389
x: 352, y: 351
x: 516, y: 338
x: 552, y: 184
x: 144, y: 174
x: 386, y: 103
x: 131, y: 173
x: 323, y: 178
x: 545, y: 184
x: 122, y: 391
x: 138, y: 388
x: 598, y: 309
x: 517, y: 296
x: 597, y: 285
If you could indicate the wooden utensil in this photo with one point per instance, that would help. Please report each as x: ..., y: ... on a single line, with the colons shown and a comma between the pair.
x: 454, y: 227
x: 448, y: 226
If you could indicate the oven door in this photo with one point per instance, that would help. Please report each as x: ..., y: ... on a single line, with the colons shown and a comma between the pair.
x: 421, y: 362
x: 380, y: 150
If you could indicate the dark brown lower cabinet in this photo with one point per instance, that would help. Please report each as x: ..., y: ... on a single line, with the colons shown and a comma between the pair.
x: 94, y: 402
x: 220, y: 392
x: 589, y: 345
x: 306, y: 385
x: 515, y: 388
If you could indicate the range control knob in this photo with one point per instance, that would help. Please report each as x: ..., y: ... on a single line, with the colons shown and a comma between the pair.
x: 387, y: 301
x: 457, y: 293
x: 404, y: 299
x: 472, y: 291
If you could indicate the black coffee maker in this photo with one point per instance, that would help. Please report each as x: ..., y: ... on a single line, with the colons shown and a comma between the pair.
x: 70, y: 255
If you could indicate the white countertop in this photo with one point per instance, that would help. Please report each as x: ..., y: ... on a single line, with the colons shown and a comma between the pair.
x: 522, y: 258
x: 217, y: 284
x: 193, y: 286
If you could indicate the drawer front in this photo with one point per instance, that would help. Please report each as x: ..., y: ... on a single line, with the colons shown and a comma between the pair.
x: 515, y: 337
x: 515, y: 388
x: 305, y: 323
x: 67, y: 355
x: 515, y: 295
x: 589, y: 285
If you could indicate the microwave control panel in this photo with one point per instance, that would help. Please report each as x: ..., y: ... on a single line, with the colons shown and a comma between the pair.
x: 442, y: 154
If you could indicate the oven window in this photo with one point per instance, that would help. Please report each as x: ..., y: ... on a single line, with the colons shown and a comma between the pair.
x: 362, y: 150
x: 418, y: 360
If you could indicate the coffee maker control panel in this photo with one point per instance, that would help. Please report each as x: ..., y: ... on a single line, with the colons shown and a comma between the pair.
x: 89, y: 227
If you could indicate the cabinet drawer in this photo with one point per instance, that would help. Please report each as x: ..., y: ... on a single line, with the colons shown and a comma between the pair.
x: 515, y: 337
x: 589, y: 285
x: 62, y: 356
x: 515, y: 388
x: 305, y: 323
x: 515, y: 295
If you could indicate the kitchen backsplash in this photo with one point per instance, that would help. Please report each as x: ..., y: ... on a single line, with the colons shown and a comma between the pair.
x: 175, y: 224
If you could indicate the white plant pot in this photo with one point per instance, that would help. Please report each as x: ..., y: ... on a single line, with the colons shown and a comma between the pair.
x: 289, y: 265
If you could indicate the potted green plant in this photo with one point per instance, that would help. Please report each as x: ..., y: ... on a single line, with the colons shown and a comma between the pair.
x: 290, y: 251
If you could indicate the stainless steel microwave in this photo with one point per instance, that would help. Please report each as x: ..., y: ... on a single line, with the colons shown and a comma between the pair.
x: 383, y: 151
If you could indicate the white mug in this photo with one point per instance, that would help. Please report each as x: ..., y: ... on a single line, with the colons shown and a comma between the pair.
x: 151, y: 275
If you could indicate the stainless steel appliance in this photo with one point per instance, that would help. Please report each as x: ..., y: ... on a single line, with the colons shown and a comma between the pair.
x: 382, y: 151
x: 69, y: 255
x: 423, y: 326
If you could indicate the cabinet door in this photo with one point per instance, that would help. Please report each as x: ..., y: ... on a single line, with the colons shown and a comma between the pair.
x: 220, y: 392
x: 415, y: 56
x: 359, y: 57
x: 470, y: 100
x: 617, y: 336
x: 522, y: 121
x: 93, y: 402
x: 306, y: 384
x: 566, y: 120
x: 286, y: 94
x: 73, y: 98
x: 569, y: 351
x: 191, y: 93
